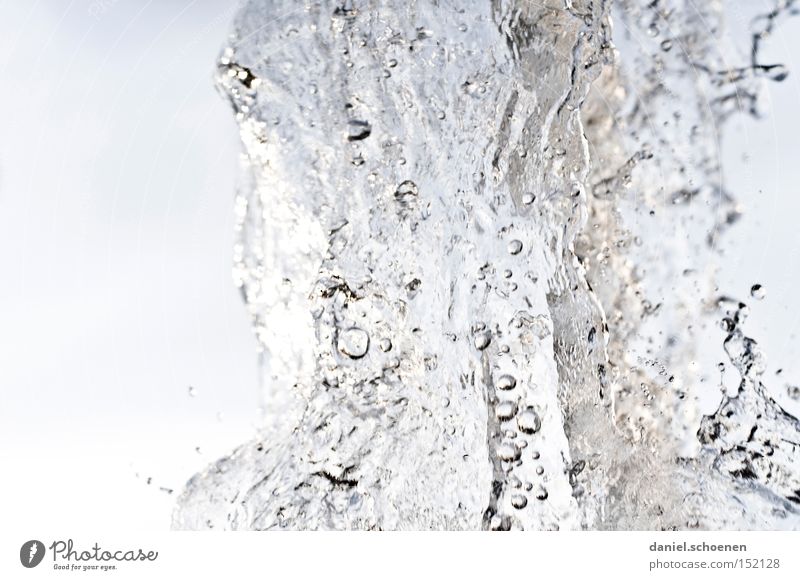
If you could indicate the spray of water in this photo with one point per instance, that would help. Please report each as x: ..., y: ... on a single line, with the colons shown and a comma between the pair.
x: 475, y: 241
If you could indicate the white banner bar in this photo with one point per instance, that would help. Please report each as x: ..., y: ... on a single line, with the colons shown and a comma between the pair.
x: 334, y: 556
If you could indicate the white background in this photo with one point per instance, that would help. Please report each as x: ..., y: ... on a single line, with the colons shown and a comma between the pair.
x: 118, y: 161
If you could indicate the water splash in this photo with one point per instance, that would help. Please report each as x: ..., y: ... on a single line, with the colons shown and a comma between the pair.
x: 463, y: 231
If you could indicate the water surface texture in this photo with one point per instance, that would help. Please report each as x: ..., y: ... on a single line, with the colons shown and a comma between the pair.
x: 476, y: 240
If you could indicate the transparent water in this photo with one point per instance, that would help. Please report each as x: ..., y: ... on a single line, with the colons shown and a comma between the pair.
x: 476, y: 240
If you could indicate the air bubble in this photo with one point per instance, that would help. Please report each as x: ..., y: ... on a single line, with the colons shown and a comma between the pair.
x: 757, y: 291
x: 514, y: 247
x: 482, y: 340
x: 529, y: 421
x: 507, y: 451
x: 406, y: 190
x: 506, y: 382
x: 519, y: 501
x: 358, y: 130
x: 506, y: 410
x: 353, y: 342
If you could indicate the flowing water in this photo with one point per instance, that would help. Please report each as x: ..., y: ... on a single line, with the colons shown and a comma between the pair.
x: 476, y: 239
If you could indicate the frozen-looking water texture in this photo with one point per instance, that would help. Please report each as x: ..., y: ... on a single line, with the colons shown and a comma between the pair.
x: 447, y: 249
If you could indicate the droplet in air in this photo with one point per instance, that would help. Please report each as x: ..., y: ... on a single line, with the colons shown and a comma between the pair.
x: 353, y: 342
x: 541, y: 493
x: 757, y: 291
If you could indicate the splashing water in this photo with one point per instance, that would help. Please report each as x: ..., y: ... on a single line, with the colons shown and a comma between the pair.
x: 463, y: 233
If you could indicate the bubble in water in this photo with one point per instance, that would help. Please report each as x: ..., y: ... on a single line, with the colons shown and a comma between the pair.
x: 529, y: 421
x: 519, y: 501
x: 506, y: 382
x: 482, y: 340
x: 406, y: 191
x: 777, y: 72
x: 353, y: 342
x: 514, y: 247
x: 506, y: 410
x: 508, y: 451
x: 757, y: 291
x: 358, y: 130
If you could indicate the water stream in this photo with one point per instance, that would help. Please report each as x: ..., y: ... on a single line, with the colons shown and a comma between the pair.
x: 476, y: 240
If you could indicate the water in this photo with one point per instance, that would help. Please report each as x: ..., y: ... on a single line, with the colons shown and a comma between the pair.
x: 475, y: 242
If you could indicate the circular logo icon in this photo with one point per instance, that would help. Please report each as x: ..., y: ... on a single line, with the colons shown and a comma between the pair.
x: 31, y: 553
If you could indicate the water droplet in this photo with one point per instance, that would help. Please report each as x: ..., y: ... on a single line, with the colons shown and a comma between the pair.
x: 506, y: 410
x: 519, y: 501
x: 353, y: 342
x: 776, y: 72
x: 528, y: 198
x: 482, y: 340
x: 666, y: 45
x: 358, y: 130
x: 757, y: 291
x: 541, y: 493
x: 507, y: 451
x: 514, y: 247
x: 529, y: 421
x: 506, y: 382
x: 406, y: 190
